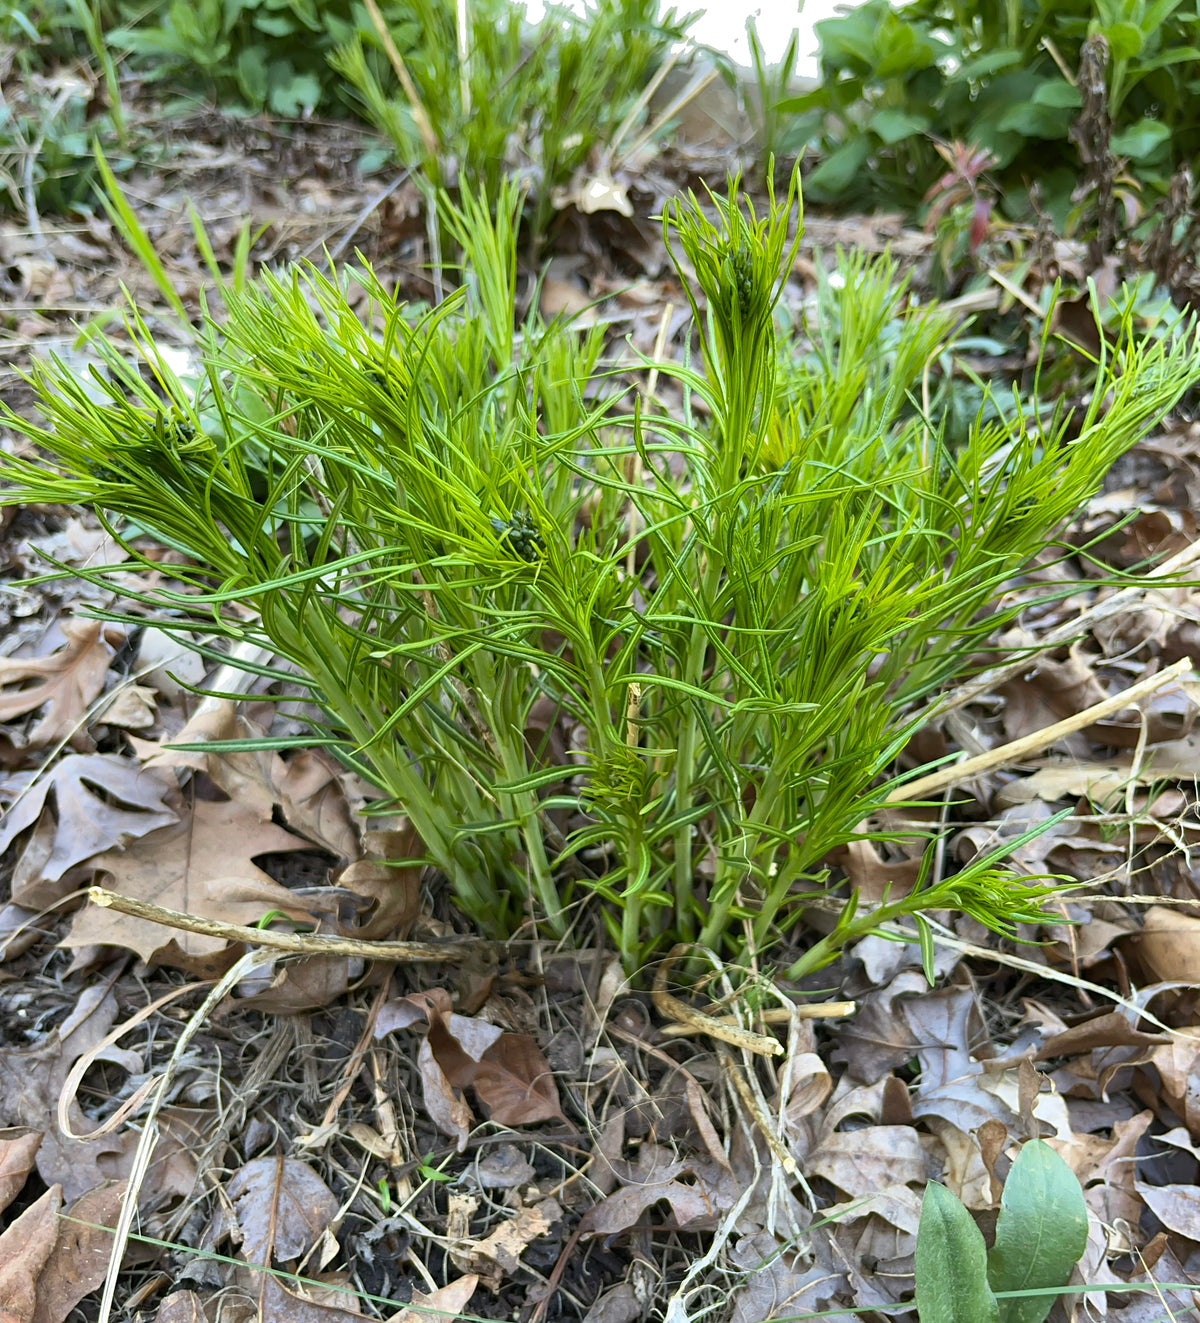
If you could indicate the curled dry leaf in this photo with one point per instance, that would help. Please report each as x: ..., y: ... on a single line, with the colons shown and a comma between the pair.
x: 289, y: 988
x: 383, y: 879
x: 132, y: 708
x: 204, y: 867
x: 31, y: 1082
x: 63, y: 684
x: 101, y: 802
x: 696, y: 1202
x: 1177, y: 1207
x: 79, y: 1260
x: 1105, y: 782
x: 182, y: 1307
x: 24, y: 1248
x: 306, y: 786
x: 283, y: 1208
x: 18, y: 1152
x: 509, y: 1073
x: 446, y: 1302
x: 499, y: 1254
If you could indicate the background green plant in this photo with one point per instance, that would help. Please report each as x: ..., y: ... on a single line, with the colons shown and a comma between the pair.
x: 1040, y: 1235
x: 445, y: 526
x: 528, y: 101
x: 503, y: 97
x: 894, y: 78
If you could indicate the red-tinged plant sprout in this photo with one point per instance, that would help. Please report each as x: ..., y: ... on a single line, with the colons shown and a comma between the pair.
x: 964, y: 182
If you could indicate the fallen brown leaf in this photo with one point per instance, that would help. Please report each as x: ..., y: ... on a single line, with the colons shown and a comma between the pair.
x: 79, y: 1260
x: 394, y: 888
x: 18, y: 1153
x: 499, y: 1254
x: 278, y: 1304
x: 31, y: 1082
x: 203, y: 866
x: 1177, y: 1207
x: 1048, y: 692
x: 305, y: 786
x: 63, y: 684
x: 878, y: 1039
x: 101, y: 802
x: 509, y: 1073
x: 132, y: 708
x: 1109, y: 1030
x: 24, y: 1248
x: 861, y: 1162
x: 182, y: 1307
x: 446, y: 1302
x: 1170, y: 944
x: 778, y: 1282
x: 690, y: 1204
x: 283, y: 1208
x: 281, y: 988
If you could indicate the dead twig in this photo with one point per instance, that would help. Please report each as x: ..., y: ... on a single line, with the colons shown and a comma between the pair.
x: 1016, y: 750
x: 424, y: 127
x: 829, y: 1010
x: 299, y: 943
x: 671, y: 1008
x: 1069, y: 630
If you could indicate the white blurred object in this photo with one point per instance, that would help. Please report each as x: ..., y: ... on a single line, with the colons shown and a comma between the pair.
x: 724, y: 26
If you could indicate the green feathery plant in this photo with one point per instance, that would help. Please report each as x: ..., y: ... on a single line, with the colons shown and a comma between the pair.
x: 458, y: 534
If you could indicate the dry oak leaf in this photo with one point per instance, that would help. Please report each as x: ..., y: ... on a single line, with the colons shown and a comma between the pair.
x: 79, y: 1260
x: 24, y: 1248
x: 862, y: 1162
x: 306, y: 786
x: 64, y: 684
x: 204, y: 867
x: 18, y: 1153
x: 691, y: 1204
x: 283, y: 1208
x: 101, y: 802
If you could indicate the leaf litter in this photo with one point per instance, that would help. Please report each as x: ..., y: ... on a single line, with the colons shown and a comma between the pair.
x: 522, y: 1136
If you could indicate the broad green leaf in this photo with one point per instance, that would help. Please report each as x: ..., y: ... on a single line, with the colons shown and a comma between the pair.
x: 299, y: 93
x: 895, y: 125
x: 951, y: 1267
x: 1034, y: 120
x: 1058, y: 94
x: 1140, y: 139
x: 1041, y: 1234
x: 1176, y: 55
x: 1124, y: 40
x: 840, y: 168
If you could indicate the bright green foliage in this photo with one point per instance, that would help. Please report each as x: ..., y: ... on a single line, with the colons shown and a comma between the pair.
x: 456, y: 532
x: 1040, y: 1236
x: 895, y: 76
x: 523, y: 99
x: 526, y: 100
x: 1041, y: 1233
x: 951, y: 1263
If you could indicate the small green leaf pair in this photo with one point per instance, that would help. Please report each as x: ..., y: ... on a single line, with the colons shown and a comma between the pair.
x: 1041, y: 1234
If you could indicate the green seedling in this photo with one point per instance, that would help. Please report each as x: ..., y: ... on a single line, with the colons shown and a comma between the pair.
x: 1040, y: 1236
x: 458, y: 535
